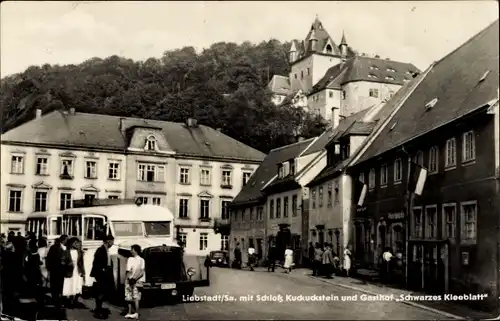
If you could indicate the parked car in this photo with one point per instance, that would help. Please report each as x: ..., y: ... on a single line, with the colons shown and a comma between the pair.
x: 219, y: 258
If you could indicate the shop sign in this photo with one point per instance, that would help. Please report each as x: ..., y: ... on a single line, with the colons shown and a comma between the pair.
x: 396, y: 216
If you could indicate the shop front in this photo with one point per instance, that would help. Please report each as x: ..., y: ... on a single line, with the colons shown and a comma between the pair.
x: 364, y: 236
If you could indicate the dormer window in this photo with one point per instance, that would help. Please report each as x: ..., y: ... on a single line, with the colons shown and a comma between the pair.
x: 390, y: 78
x: 330, y: 156
x: 345, y: 150
x: 281, y: 171
x: 374, y: 68
x: 329, y: 49
x: 431, y: 103
x: 372, y: 76
x: 391, y: 70
x: 150, y: 143
x: 292, y: 167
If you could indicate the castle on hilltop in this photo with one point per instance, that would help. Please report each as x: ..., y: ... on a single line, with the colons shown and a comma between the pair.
x: 333, y: 80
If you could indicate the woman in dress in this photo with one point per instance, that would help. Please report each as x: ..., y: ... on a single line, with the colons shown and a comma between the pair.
x: 288, y: 260
x: 73, y: 282
x: 347, y: 260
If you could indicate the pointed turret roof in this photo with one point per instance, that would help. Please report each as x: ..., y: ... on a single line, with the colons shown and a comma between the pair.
x: 319, y: 33
x: 293, y: 47
x: 343, y: 41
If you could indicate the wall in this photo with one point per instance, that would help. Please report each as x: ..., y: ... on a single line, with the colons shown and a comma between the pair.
x: 294, y: 221
x: 244, y: 228
x: 357, y: 95
x: 305, y: 83
x: 323, y: 104
x: 24, y: 182
x: 321, y: 64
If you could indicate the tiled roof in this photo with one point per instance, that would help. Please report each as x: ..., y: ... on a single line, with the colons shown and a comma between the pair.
x: 361, y: 68
x: 268, y: 169
x: 455, y: 82
x: 322, y: 36
x: 331, y: 133
x: 371, y: 118
x: 280, y: 85
x: 108, y: 132
x: 360, y: 128
x: 289, y: 98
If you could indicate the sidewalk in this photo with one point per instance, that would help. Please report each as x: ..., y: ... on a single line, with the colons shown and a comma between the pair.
x: 449, y: 309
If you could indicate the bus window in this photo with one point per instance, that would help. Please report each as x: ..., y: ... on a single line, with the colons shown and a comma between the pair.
x: 73, y: 225
x: 95, y: 229
x: 56, y: 226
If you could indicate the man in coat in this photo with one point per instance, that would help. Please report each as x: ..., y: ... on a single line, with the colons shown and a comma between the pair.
x: 57, y: 262
x: 237, y: 256
x: 328, y: 261
x: 271, y: 258
x: 102, y: 271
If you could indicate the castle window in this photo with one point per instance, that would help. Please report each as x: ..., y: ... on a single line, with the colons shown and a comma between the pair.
x: 295, y: 75
x: 330, y: 93
x: 329, y: 49
x: 343, y: 94
x: 302, y: 74
x: 150, y: 143
x: 308, y: 71
x: 373, y: 93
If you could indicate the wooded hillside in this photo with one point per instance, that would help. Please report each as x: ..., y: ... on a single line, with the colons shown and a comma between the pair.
x: 224, y: 87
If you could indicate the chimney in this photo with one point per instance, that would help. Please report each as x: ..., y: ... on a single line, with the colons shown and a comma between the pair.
x: 71, y: 111
x: 38, y: 114
x: 191, y: 122
x: 335, y: 117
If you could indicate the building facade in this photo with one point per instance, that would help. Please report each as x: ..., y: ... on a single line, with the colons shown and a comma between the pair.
x: 336, y: 80
x: 447, y: 232
x: 97, y: 156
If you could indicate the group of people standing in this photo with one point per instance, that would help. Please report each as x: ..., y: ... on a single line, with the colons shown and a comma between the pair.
x: 325, y: 262
x: 28, y: 267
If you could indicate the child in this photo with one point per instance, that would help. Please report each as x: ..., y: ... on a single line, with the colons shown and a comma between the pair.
x: 135, y: 279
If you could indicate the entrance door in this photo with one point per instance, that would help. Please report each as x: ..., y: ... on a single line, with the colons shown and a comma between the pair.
x: 359, y: 251
x: 428, y: 266
x: 321, y: 237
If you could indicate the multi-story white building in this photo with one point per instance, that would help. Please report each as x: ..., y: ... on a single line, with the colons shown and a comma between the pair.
x: 336, y: 80
x: 193, y: 170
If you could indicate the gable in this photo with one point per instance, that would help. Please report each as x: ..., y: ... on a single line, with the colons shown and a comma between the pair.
x: 90, y: 188
x: 41, y: 185
x: 205, y: 194
x: 140, y: 136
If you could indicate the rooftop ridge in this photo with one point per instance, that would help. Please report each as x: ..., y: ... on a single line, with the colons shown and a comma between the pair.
x: 290, y: 145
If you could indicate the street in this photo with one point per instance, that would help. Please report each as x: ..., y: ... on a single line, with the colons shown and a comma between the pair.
x: 244, y: 283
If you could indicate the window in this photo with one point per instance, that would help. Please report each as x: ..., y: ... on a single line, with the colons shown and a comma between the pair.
x: 320, y: 196
x: 383, y: 175
x: 91, y: 169
x: 468, y: 219
x: 203, y: 241
x: 336, y: 196
x: 246, y: 177
x: 250, y: 214
x: 65, y: 201
x: 294, y: 205
x: 184, y: 176
x: 15, y: 199
x: 205, y: 177
x: 281, y: 171
x: 42, y: 166
x: 157, y: 228
x: 224, y: 242
x: 226, y: 178
x: 285, y: 206
x: 313, y: 198
x: 344, y: 94
x: 389, y: 78
x: 271, y: 209
x: 40, y: 201
x: 183, y: 208
x: 292, y: 167
x: 373, y: 93
x: 419, y: 158
x: 225, y: 210
x: 302, y: 74
x: 150, y: 143
x: 204, y: 209
x: 330, y: 94
x: 449, y: 221
x: 329, y: 201
x: 114, y: 170
x: 391, y: 70
x: 417, y: 222
x: 469, y: 147
x: 17, y: 166
x: 431, y: 222
x: 398, y: 170
x: 89, y: 199
x: 362, y: 177
x: 183, y: 238
x: 450, y: 153
x: 295, y: 75
x: 433, y: 159
x: 308, y: 71
x: 371, y: 179
x: 260, y: 212
x: 151, y: 173
x: 66, y: 168
x: 142, y: 199
x: 278, y: 208
x: 156, y: 201
x: 112, y: 197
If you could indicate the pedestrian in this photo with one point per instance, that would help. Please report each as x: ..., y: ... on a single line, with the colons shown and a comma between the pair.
x: 310, y: 256
x: 317, y: 260
x: 57, y: 262
x: 271, y: 258
x: 328, y: 261
x: 102, y: 271
x: 42, y: 252
x: 251, y: 257
x: 237, y: 256
x: 386, y: 264
x: 75, y: 274
x: 347, y: 260
x: 135, y: 280
x: 33, y: 273
x: 288, y: 260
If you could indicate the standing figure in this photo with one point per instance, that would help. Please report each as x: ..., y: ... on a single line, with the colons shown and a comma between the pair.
x: 328, y: 261
x: 135, y: 280
x: 288, y: 259
x: 386, y: 264
x: 347, y: 261
x: 42, y: 253
x: 33, y: 273
x: 237, y: 256
x: 251, y: 257
x: 74, y: 278
x: 317, y: 260
x: 271, y: 258
x: 310, y: 256
x: 57, y: 264
x: 102, y: 271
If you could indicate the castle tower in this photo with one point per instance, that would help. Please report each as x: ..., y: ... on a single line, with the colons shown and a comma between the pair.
x: 292, y: 53
x: 343, y: 47
x: 313, y: 42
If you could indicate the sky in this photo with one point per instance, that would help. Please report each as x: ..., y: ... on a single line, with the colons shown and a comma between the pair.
x: 419, y: 32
